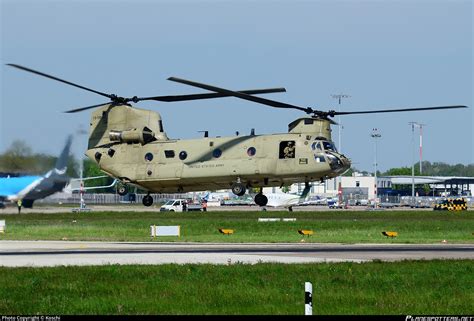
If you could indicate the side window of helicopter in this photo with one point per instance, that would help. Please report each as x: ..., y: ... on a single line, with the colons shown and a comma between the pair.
x: 149, y: 157
x: 169, y: 153
x: 287, y: 149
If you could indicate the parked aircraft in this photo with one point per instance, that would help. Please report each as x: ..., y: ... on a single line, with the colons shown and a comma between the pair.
x: 30, y: 188
x: 287, y: 200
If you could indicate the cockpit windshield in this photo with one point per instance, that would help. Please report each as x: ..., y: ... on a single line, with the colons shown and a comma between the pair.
x: 329, y: 146
x: 316, y: 146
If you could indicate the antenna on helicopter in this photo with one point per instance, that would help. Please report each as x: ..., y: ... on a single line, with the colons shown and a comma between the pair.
x: 206, y: 133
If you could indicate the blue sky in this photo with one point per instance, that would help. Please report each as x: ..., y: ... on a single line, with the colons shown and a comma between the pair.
x: 385, y: 54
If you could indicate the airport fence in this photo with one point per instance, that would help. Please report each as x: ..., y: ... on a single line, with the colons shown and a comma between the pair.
x: 107, y: 198
x: 104, y: 198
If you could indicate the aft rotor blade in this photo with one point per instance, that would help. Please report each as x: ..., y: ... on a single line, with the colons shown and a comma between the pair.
x: 84, y: 108
x: 213, y: 95
x: 241, y: 95
x: 59, y: 79
x: 335, y: 113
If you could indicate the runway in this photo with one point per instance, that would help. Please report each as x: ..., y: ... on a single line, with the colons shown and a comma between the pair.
x: 57, y: 253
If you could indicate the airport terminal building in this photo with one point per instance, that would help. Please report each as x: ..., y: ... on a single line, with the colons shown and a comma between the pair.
x: 360, y: 186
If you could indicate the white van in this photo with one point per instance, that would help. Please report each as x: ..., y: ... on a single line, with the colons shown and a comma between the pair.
x: 176, y: 205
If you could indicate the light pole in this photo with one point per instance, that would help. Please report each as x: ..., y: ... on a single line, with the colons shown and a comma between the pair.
x: 339, y: 98
x: 421, y: 145
x: 375, y: 134
x: 82, y: 204
x: 413, y: 124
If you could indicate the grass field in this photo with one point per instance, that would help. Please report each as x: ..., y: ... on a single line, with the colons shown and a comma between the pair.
x: 335, y: 226
x: 409, y: 287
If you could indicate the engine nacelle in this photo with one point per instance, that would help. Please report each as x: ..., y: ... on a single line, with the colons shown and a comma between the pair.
x: 132, y: 136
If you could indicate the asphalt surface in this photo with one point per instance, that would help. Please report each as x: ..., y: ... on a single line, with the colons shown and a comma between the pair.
x: 57, y: 253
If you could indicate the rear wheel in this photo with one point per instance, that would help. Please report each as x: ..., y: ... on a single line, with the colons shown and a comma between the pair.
x: 261, y: 200
x: 147, y: 200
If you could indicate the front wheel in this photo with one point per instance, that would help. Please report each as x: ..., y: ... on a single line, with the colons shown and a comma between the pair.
x: 122, y: 190
x: 238, y: 189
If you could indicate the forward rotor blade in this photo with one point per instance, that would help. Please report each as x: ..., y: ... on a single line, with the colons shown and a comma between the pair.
x: 84, y: 108
x: 59, y: 79
x: 241, y: 95
x: 335, y: 113
x: 209, y: 96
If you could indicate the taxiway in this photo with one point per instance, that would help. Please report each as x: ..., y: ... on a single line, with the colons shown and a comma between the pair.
x: 57, y: 253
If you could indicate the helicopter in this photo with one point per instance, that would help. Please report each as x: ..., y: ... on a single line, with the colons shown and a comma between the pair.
x: 130, y: 144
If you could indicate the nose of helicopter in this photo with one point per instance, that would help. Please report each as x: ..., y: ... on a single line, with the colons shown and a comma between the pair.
x: 338, y: 162
x: 346, y: 163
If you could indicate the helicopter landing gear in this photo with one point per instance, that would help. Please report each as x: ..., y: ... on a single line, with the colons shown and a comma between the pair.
x: 147, y: 200
x: 260, y: 199
x: 238, y: 189
x: 122, y: 189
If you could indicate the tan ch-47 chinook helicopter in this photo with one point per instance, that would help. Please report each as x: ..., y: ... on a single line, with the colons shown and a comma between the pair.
x: 130, y: 144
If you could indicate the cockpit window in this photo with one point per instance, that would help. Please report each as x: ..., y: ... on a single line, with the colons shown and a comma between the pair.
x: 329, y: 146
x: 319, y: 158
x: 316, y: 146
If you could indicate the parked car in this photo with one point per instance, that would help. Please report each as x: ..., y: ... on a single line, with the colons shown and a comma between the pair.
x: 334, y: 203
x: 180, y: 205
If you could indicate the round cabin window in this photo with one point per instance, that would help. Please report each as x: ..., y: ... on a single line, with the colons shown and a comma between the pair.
x: 217, y: 153
x: 183, y: 155
x: 251, y: 151
x: 149, y: 157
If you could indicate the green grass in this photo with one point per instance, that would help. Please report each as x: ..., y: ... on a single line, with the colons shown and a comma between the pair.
x: 335, y: 226
x: 408, y: 287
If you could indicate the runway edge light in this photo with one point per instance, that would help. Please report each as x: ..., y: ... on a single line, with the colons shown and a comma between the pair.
x: 390, y: 233
x: 226, y: 231
x: 306, y: 232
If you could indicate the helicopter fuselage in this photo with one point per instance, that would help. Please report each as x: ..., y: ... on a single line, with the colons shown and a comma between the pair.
x: 163, y: 165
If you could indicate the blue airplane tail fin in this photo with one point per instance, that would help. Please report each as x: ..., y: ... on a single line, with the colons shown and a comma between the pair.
x: 61, y: 163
